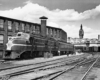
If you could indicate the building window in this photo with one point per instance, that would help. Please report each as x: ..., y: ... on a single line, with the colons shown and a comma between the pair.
x: 57, y: 33
x: 1, y: 23
x: 47, y: 31
x: 50, y: 31
x: 37, y: 29
x: 53, y: 32
x: 23, y: 26
x: 9, y: 25
x: 27, y: 27
x: 1, y: 38
x: 16, y: 26
x: 33, y: 28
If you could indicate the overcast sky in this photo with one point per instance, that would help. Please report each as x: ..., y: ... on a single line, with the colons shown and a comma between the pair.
x: 65, y: 14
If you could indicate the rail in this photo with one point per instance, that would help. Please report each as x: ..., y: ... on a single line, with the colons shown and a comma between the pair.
x: 58, y: 73
x: 84, y: 76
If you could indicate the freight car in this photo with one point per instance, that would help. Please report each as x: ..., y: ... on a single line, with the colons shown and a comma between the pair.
x: 25, y: 45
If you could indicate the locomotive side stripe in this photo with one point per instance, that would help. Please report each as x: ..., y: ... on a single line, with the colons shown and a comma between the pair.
x: 28, y: 45
x: 22, y: 45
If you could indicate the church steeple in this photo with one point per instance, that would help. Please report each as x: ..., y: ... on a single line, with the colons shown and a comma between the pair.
x: 81, y: 32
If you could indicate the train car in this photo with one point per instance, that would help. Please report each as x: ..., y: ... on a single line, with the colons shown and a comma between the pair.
x: 25, y: 45
x: 90, y: 49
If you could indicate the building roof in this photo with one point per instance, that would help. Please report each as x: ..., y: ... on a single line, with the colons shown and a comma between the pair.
x: 23, y: 21
x: 2, y: 17
x: 43, y: 17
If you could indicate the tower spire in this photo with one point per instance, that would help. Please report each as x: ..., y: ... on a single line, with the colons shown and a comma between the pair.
x: 81, y: 32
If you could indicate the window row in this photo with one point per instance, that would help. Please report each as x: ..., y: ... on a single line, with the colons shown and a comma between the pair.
x: 53, y: 32
x: 19, y: 26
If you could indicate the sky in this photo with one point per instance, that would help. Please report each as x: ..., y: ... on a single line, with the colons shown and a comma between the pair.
x: 65, y: 14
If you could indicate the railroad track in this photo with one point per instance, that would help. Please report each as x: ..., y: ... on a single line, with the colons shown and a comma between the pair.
x: 90, y: 68
x: 2, y: 61
x: 7, y: 61
x: 54, y: 75
x: 39, y: 68
x: 16, y: 66
x: 41, y: 63
x: 10, y: 61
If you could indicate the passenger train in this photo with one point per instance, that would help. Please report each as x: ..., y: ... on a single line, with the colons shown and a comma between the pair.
x: 25, y: 45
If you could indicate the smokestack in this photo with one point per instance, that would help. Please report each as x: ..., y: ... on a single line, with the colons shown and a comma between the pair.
x: 43, y: 25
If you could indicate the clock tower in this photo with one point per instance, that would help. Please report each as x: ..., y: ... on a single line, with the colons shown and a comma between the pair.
x: 81, y: 32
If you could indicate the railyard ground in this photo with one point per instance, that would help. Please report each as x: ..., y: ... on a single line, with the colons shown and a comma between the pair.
x: 74, y: 75
x: 77, y: 74
x: 38, y: 60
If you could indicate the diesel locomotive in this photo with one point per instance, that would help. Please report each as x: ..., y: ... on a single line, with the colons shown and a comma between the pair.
x: 24, y: 45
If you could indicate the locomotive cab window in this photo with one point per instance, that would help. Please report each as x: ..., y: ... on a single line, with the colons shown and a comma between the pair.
x: 18, y: 34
